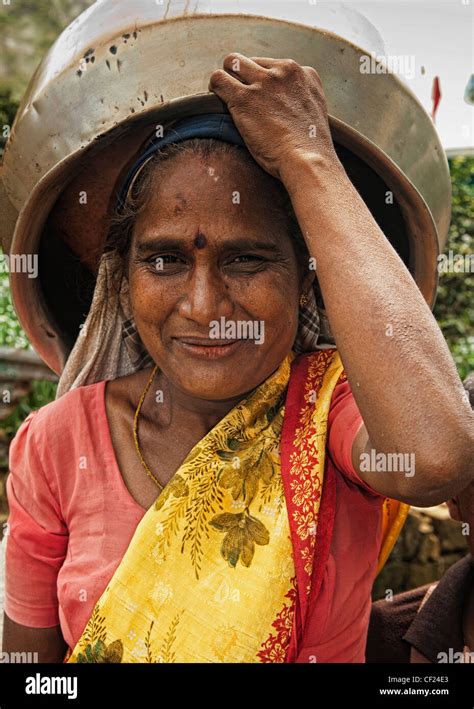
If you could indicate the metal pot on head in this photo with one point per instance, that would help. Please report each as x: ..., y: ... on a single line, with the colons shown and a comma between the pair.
x: 121, y: 69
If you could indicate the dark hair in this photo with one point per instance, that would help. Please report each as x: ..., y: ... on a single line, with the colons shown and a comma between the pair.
x: 122, y: 221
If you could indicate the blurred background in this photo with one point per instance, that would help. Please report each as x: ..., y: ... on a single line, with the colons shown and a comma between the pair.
x: 440, y: 34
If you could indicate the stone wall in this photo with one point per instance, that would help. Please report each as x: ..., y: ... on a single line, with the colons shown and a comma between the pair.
x: 430, y: 542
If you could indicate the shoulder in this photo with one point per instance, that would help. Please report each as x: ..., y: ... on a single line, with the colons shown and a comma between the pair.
x: 314, y: 371
x: 40, y: 454
x: 316, y: 359
x: 319, y: 384
x: 389, y: 622
x: 459, y: 574
x: 51, y: 423
x: 62, y: 411
x: 452, y: 588
x: 403, y: 605
x: 324, y: 382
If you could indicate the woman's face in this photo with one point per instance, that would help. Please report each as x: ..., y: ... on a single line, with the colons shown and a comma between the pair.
x: 211, y: 257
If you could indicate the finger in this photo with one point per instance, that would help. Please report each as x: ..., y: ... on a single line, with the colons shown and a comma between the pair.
x: 223, y: 84
x: 243, y: 67
x: 287, y: 65
x: 267, y: 62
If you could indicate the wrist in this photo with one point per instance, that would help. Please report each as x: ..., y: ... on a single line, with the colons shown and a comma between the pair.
x: 318, y: 168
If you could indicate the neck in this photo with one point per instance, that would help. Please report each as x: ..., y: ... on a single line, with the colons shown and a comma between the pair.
x: 199, y: 415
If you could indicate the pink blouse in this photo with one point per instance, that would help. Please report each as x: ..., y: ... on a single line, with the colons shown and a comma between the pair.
x: 72, y: 518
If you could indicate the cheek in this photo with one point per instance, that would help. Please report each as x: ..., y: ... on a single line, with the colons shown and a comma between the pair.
x: 275, y: 303
x: 275, y: 293
x: 150, y: 301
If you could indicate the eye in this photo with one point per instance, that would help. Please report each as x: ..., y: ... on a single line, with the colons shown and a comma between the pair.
x: 166, y: 262
x: 249, y: 262
x: 246, y: 264
x: 251, y: 257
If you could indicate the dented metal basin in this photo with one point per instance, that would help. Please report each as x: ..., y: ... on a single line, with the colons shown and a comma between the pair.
x: 123, y: 67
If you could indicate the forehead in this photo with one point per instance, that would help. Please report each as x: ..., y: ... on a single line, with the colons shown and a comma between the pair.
x: 223, y: 188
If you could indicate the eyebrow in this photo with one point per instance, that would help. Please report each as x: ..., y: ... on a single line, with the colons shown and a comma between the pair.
x: 165, y: 243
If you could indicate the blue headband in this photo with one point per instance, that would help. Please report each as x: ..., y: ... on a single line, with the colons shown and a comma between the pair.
x: 206, y: 125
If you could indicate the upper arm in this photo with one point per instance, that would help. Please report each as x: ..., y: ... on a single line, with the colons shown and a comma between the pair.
x: 354, y: 455
x: 47, y: 643
x: 384, y: 473
x: 36, y: 537
x: 361, y: 453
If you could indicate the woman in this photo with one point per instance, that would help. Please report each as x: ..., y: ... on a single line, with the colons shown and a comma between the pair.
x: 210, y: 536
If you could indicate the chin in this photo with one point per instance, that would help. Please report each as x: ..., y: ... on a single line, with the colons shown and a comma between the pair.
x: 215, y: 392
x: 222, y: 378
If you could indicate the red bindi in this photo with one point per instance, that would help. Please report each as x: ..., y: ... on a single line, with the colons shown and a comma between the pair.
x: 200, y: 241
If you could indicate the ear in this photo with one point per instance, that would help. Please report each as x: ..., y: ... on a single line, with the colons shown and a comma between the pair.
x: 308, y: 279
x: 453, y: 507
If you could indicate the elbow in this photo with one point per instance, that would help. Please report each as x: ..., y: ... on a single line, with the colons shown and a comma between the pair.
x: 436, y: 478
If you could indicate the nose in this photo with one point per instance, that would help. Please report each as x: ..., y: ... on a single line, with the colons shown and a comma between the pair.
x: 206, y: 297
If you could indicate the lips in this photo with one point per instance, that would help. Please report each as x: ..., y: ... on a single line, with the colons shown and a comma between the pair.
x: 205, y: 348
x: 205, y: 341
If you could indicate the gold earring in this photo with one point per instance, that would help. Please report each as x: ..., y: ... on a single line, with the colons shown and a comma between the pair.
x: 303, y: 300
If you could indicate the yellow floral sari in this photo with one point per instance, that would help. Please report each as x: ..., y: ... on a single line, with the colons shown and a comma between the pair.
x: 209, y: 575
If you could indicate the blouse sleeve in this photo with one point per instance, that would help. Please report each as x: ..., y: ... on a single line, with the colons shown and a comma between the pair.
x: 37, y: 539
x: 344, y: 422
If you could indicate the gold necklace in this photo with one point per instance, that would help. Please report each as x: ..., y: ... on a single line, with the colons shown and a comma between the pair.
x: 135, y: 430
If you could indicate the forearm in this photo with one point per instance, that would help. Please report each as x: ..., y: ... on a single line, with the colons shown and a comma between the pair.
x: 46, y: 643
x: 398, y: 364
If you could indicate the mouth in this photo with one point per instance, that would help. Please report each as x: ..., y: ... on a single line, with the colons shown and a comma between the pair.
x: 207, y: 349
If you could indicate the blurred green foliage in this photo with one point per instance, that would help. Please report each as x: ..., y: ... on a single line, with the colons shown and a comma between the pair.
x: 42, y: 392
x: 454, y: 309
x: 12, y: 335
x: 27, y: 29
x: 8, y: 109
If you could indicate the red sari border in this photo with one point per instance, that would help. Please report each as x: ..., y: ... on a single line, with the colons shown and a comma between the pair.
x: 311, y: 530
